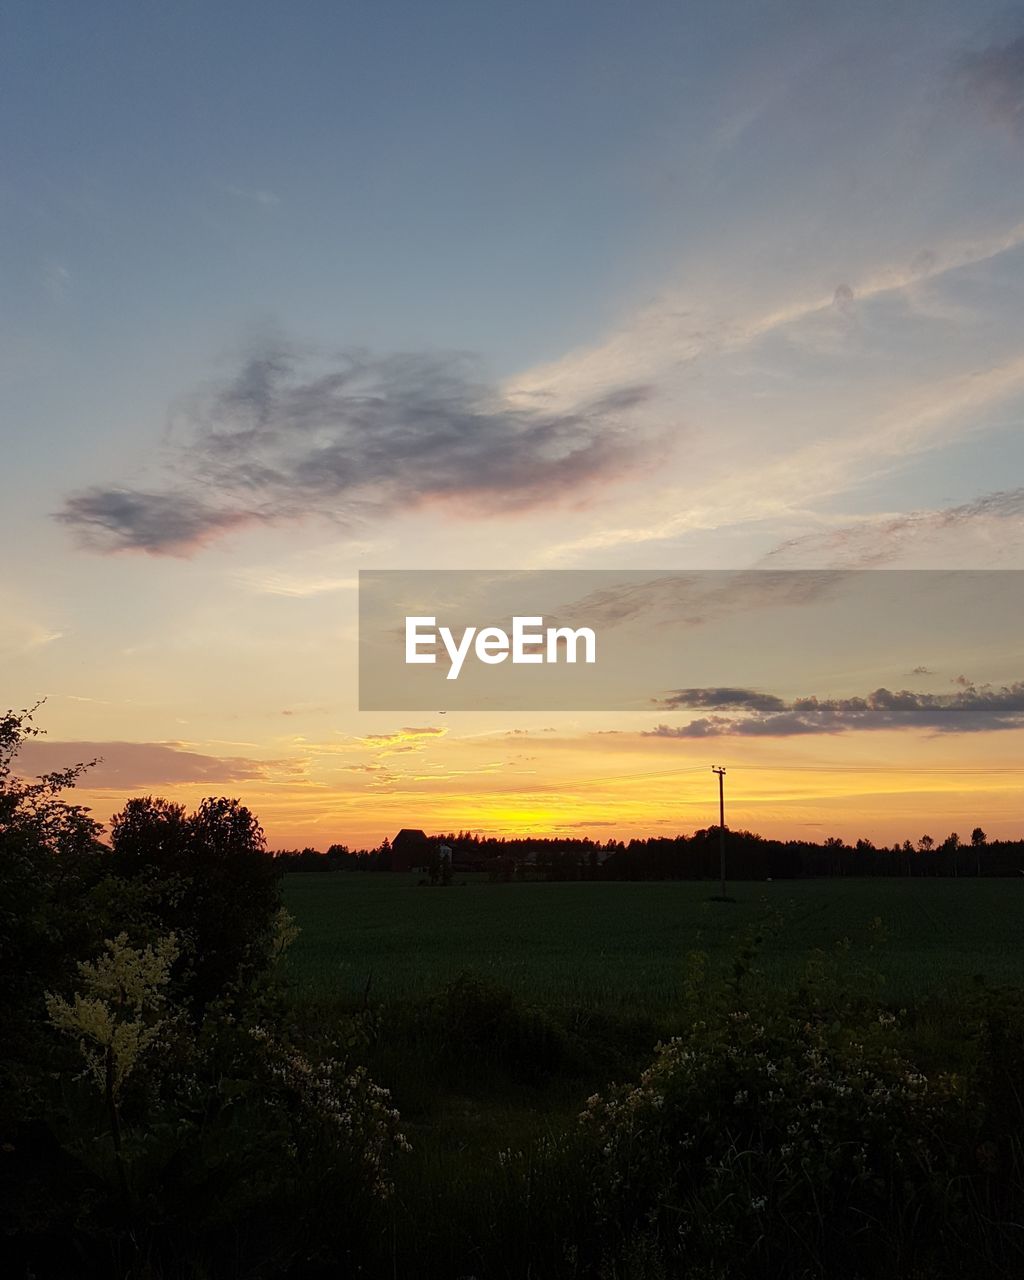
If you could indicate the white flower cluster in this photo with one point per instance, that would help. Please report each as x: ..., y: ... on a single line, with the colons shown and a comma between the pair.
x: 797, y: 1101
x: 118, y: 1015
x: 343, y: 1105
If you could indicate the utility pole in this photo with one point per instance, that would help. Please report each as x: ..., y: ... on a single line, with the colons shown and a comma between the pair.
x: 721, y: 823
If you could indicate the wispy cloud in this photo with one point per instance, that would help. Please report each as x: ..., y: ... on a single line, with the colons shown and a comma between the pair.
x: 993, y: 79
x: 674, y: 332
x: 19, y: 635
x: 286, y: 439
x: 795, y: 475
x: 409, y: 738
x: 795, y: 391
x: 986, y: 529
x: 401, y: 735
x: 700, y: 597
x: 280, y: 584
x: 142, y: 764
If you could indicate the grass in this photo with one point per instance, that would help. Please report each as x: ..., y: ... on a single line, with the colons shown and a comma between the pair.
x: 622, y: 947
x: 604, y: 966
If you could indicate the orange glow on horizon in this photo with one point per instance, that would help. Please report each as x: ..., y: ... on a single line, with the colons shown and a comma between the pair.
x: 881, y: 803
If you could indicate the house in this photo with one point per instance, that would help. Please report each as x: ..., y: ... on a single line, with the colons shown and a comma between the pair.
x: 410, y: 848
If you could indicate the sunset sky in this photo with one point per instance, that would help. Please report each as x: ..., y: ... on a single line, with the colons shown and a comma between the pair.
x: 291, y: 291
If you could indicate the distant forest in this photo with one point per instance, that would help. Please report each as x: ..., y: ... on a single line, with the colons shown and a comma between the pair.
x: 696, y: 857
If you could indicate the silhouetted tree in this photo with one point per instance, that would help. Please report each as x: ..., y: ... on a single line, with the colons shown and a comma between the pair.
x: 209, y: 880
x: 50, y: 861
x: 149, y: 835
x: 950, y: 845
x: 978, y: 840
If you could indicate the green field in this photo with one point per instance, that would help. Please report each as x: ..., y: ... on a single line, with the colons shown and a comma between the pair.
x: 624, y: 945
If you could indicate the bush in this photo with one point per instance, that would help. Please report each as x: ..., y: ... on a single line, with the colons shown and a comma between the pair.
x: 479, y: 1019
x: 764, y: 1139
x: 789, y: 1133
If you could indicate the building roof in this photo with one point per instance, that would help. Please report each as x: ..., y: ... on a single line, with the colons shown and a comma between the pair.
x: 409, y: 835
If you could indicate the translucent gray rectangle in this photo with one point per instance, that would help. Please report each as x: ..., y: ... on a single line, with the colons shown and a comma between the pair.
x: 663, y: 640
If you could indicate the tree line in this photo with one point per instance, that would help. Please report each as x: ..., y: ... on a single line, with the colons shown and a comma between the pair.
x: 750, y: 856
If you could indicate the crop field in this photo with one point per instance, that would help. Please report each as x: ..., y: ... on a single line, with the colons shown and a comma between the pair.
x: 624, y: 945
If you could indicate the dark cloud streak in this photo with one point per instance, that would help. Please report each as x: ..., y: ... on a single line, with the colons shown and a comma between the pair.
x: 748, y: 699
x: 972, y: 709
x: 290, y: 437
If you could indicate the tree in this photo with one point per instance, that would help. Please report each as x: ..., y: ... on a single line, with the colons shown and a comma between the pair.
x: 32, y: 813
x: 925, y: 844
x: 150, y: 834
x: 50, y: 863
x: 50, y: 857
x: 209, y: 880
x: 978, y: 841
x: 950, y: 845
x: 339, y: 856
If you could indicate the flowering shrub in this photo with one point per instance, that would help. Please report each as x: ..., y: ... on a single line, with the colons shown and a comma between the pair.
x: 758, y: 1132
x: 336, y: 1109
x: 120, y: 1012
x: 167, y: 1109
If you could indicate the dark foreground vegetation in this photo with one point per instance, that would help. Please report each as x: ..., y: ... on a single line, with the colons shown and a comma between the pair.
x: 170, y: 1108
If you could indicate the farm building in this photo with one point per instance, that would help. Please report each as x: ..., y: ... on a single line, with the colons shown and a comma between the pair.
x: 410, y: 848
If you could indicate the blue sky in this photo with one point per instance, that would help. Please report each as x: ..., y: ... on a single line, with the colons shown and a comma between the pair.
x: 290, y: 290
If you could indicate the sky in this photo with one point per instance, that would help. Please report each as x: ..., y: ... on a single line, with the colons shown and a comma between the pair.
x: 293, y: 291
